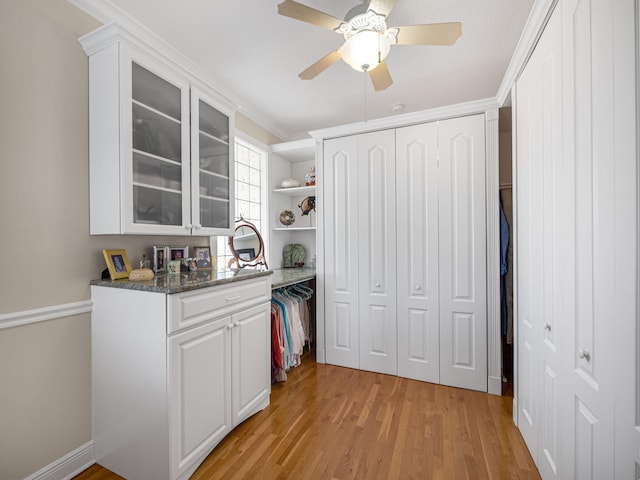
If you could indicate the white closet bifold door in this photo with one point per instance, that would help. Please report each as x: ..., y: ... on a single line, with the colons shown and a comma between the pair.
x: 462, y: 253
x: 417, y: 252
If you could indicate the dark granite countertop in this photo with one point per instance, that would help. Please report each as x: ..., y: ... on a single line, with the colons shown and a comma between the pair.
x: 185, y: 281
x: 288, y: 276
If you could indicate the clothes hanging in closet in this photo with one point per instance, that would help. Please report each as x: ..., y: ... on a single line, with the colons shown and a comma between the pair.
x: 290, y: 328
x: 506, y: 279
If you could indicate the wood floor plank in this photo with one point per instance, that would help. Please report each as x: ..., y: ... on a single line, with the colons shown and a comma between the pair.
x: 329, y: 422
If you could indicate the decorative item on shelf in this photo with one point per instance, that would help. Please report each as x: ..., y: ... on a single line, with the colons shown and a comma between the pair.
x: 117, y: 263
x: 293, y: 255
x: 287, y: 217
x: 290, y: 183
x: 307, y: 205
x: 310, y: 177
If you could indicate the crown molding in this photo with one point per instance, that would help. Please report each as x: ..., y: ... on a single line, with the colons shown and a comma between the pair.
x: 423, y: 116
x: 538, y: 17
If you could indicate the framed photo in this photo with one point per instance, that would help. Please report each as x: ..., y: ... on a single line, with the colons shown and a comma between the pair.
x: 246, y: 254
x: 203, y: 257
x: 159, y: 258
x: 117, y: 263
x: 178, y: 253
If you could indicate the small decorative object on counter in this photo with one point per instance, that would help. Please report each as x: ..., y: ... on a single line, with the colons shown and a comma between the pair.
x: 307, y: 205
x: 287, y: 217
x: 290, y: 183
x: 310, y: 178
x: 293, y: 255
x: 144, y: 262
x: 174, y: 266
x: 141, y: 274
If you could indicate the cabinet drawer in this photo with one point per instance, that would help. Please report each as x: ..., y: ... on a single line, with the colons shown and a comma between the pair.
x: 191, y: 308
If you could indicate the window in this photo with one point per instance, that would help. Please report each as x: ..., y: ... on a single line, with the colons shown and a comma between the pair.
x: 250, y: 188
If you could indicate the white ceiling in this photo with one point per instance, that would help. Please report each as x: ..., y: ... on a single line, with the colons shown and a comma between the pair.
x: 253, y: 55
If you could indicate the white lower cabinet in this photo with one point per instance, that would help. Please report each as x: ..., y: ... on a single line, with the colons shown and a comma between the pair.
x: 162, y: 401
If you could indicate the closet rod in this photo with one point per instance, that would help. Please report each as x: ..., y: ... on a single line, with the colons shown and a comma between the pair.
x: 282, y: 285
x: 504, y: 186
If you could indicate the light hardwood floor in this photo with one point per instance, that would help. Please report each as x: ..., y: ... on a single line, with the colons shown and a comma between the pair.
x: 336, y: 423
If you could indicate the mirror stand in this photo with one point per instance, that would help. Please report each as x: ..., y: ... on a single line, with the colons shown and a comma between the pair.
x: 247, y: 246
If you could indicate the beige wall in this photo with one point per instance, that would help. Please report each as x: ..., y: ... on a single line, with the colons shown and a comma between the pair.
x: 251, y: 128
x: 48, y: 256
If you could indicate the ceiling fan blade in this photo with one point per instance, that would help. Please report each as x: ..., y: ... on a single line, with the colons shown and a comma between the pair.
x: 320, y: 66
x: 382, y: 7
x: 431, y: 34
x: 298, y: 11
x: 380, y: 77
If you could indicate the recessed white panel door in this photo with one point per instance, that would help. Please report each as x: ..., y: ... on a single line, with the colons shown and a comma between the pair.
x: 342, y: 243
x: 540, y: 247
x: 417, y: 252
x: 462, y: 253
x: 589, y: 52
x: 377, y: 251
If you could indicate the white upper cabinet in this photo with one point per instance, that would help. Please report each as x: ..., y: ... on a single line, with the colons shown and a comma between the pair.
x: 160, y: 151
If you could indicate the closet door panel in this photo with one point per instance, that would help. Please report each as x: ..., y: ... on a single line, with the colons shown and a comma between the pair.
x: 417, y: 252
x: 528, y: 271
x: 589, y: 31
x: 341, y: 247
x: 462, y: 253
x: 377, y: 269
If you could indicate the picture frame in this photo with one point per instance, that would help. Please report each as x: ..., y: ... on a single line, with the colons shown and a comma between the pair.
x: 178, y: 253
x: 202, y: 256
x: 246, y: 254
x: 117, y: 263
x: 160, y: 256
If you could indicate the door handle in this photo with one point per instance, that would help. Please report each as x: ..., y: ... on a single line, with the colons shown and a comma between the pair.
x: 584, y: 354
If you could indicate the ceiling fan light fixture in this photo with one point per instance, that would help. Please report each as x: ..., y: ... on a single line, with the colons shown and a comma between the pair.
x: 365, y: 50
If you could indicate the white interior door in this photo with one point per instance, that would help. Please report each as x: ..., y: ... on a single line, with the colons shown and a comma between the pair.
x: 462, y: 253
x: 417, y: 252
x: 342, y: 243
x: 377, y: 251
x: 601, y: 217
x: 541, y: 247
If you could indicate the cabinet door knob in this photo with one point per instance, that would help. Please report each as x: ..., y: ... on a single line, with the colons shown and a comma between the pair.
x: 584, y: 354
x: 188, y: 226
x: 230, y: 326
x: 418, y: 287
x: 198, y: 225
x: 547, y: 326
x: 377, y: 284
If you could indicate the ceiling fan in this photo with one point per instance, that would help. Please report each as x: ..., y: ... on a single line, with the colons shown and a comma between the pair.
x: 367, y: 37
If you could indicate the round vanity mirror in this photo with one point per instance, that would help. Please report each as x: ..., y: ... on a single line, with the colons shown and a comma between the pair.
x: 247, y: 246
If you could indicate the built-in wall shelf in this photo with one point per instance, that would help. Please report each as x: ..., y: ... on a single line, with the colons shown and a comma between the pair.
x: 291, y: 229
x: 297, y: 191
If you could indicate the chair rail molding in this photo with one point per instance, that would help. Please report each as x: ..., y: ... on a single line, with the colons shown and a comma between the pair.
x: 16, y: 319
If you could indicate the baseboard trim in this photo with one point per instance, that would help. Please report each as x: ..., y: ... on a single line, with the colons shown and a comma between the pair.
x: 16, y: 319
x: 495, y: 385
x: 68, y: 466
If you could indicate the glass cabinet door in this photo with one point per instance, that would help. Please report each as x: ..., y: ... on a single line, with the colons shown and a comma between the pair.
x: 211, y: 174
x: 157, y: 150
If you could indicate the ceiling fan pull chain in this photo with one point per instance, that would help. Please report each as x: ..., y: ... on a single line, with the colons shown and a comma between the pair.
x: 364, y: 85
